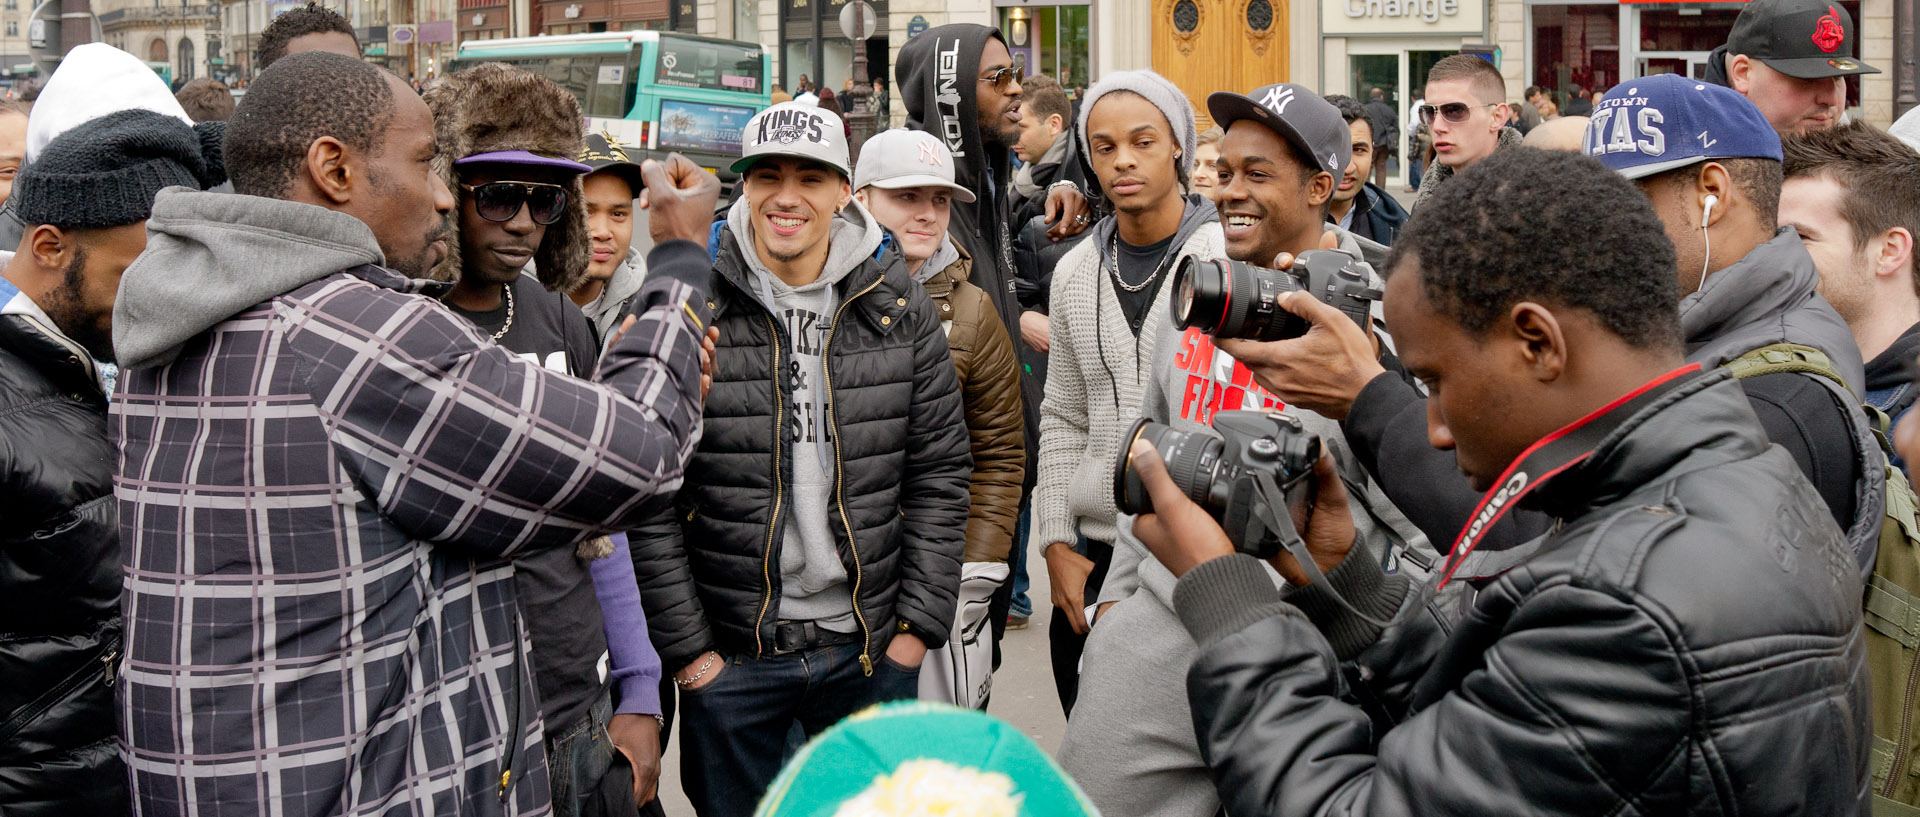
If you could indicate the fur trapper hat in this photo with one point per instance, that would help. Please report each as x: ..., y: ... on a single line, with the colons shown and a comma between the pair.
x: 497, y: 107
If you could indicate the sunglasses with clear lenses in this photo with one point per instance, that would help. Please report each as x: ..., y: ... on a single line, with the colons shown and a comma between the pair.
x: 1455, y: 112
x: 501, y: 201
x: 1006, y: 76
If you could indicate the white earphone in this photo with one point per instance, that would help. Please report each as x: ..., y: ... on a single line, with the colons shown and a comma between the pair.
x: 1706, y: 211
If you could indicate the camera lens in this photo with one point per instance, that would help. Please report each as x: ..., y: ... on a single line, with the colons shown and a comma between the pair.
x: 1193, y: 461
x: 1233, y: 299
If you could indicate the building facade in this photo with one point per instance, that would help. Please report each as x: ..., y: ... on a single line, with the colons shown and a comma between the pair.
x: 178, y: 39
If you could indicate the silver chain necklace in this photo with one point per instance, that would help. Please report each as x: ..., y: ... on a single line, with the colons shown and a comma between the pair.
x: 509, y: 324
x: 1114, y: 270
x: 508, y: 290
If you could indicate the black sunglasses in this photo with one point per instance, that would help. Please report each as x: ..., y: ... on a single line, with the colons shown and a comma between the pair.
x: 1006, y: 76
x: 501, y: 201
x: 1455, y: 112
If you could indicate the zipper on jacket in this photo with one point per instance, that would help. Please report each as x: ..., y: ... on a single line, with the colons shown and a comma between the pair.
x: 773, y: 521
x: 839, y: 481
x: 515, y: 736
x: 1897, y: 771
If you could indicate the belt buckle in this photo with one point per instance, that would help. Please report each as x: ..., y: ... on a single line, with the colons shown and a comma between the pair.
x: 789, y: 637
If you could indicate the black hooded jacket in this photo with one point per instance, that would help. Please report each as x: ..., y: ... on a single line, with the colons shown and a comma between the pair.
x: 60, y: 581
x: 708, y: 572
x: 937, y: 74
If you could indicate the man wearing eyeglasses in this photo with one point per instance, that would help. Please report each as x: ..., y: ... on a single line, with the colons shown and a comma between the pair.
x: 1466, y: 115
x: 508, y: 158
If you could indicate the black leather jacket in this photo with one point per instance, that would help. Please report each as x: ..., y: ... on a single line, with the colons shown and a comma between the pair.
x: 707, y: 578
x: 1687, y: 641
x: 59, y: 582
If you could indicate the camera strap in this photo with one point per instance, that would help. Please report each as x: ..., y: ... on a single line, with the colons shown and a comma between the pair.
x: 1548, y: 457
x: 1553, y: 455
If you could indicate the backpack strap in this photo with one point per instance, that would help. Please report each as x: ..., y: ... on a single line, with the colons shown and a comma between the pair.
x: 1784, y: 357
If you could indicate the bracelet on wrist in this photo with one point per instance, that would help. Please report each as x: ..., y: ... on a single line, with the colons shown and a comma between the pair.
x: 697, y: 675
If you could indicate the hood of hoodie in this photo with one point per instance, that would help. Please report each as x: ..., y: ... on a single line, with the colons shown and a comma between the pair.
x: 937, y: 75
x: 211, y: 256
x: 854, y: 237
x: 94, y: 80
x: 948, y: 257
x: 1717, y: 67
x: 1199, y: 213
x: 1892, y: 368
x: 1768, y: 297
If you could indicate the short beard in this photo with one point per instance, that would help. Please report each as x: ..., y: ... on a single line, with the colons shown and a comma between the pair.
x: 416, y: 265
x: 64, y: 306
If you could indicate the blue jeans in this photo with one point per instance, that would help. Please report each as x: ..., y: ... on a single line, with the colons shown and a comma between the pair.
x: 590, y: 778
x: 1022, y: 606
x: 733, y: 730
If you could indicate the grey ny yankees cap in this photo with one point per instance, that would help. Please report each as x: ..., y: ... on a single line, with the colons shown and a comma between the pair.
x: 898, y: 158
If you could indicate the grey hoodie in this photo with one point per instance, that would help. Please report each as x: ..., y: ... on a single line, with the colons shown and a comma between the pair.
x: 606, y: 312
x: 210, y: 256
x: 813, y: 580
x: 1765, y: 298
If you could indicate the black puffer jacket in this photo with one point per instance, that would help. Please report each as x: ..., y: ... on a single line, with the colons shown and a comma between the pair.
x: 1687, y: 641
x: 707, y: 577
x: 59, y: 581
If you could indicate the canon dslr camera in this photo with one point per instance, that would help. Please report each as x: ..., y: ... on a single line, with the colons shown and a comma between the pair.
x: 1224, y: 475
x: 1235, y: 299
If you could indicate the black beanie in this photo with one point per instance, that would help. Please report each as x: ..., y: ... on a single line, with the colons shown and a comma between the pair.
x: 106, y: 172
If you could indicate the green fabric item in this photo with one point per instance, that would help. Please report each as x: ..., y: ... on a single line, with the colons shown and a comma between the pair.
x: 846, y: 760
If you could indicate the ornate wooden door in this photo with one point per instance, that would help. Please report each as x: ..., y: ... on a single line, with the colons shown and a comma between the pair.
x: 1219, y: 45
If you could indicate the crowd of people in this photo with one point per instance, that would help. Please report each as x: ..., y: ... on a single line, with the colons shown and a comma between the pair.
x: 359, y: 460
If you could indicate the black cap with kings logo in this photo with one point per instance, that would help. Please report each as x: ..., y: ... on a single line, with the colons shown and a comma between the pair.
x: 1808, y: 39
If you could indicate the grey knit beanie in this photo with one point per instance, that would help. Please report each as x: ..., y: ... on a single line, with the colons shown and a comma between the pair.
x: 1155, y: 89
x: 106, y: 173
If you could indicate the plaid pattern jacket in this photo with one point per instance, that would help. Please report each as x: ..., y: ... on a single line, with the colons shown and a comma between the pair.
x: 319, y: 497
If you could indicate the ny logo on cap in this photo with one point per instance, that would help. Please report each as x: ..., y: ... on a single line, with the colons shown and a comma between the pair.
x: 1278, y: 97
x: 929, y: 156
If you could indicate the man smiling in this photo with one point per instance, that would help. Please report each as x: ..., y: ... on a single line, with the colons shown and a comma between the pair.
x: 812, y: 556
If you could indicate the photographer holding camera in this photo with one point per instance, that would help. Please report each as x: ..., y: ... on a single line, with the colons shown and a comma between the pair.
x: 1601, y: 675
x: 1130, y: 742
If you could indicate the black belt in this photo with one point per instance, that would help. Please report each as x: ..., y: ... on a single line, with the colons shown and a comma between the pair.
x: 795, y: 636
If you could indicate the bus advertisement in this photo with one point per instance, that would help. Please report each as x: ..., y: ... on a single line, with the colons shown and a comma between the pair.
x: 654, y: 91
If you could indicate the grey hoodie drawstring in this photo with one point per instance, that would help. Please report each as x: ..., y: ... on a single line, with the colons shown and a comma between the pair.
x: 823, y: 448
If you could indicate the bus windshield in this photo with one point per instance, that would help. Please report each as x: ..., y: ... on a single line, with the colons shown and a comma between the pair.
x: 713, y: 65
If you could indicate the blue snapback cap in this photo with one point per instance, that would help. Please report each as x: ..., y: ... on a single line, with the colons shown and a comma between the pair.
x: 1655, y: 124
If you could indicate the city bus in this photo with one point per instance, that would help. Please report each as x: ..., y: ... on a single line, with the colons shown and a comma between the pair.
x: 654, y: 90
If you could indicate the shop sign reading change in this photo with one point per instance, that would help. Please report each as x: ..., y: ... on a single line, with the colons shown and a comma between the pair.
x: 1402, y: 17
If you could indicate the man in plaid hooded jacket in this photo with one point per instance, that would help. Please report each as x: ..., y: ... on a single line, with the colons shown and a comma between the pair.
x: 323, y: 475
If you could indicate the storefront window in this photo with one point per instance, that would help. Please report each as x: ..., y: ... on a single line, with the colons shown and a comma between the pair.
x: 1576, y: 49
x: 1052, y: 40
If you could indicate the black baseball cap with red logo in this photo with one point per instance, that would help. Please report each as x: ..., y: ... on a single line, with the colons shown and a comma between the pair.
x: 1808, y: 39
